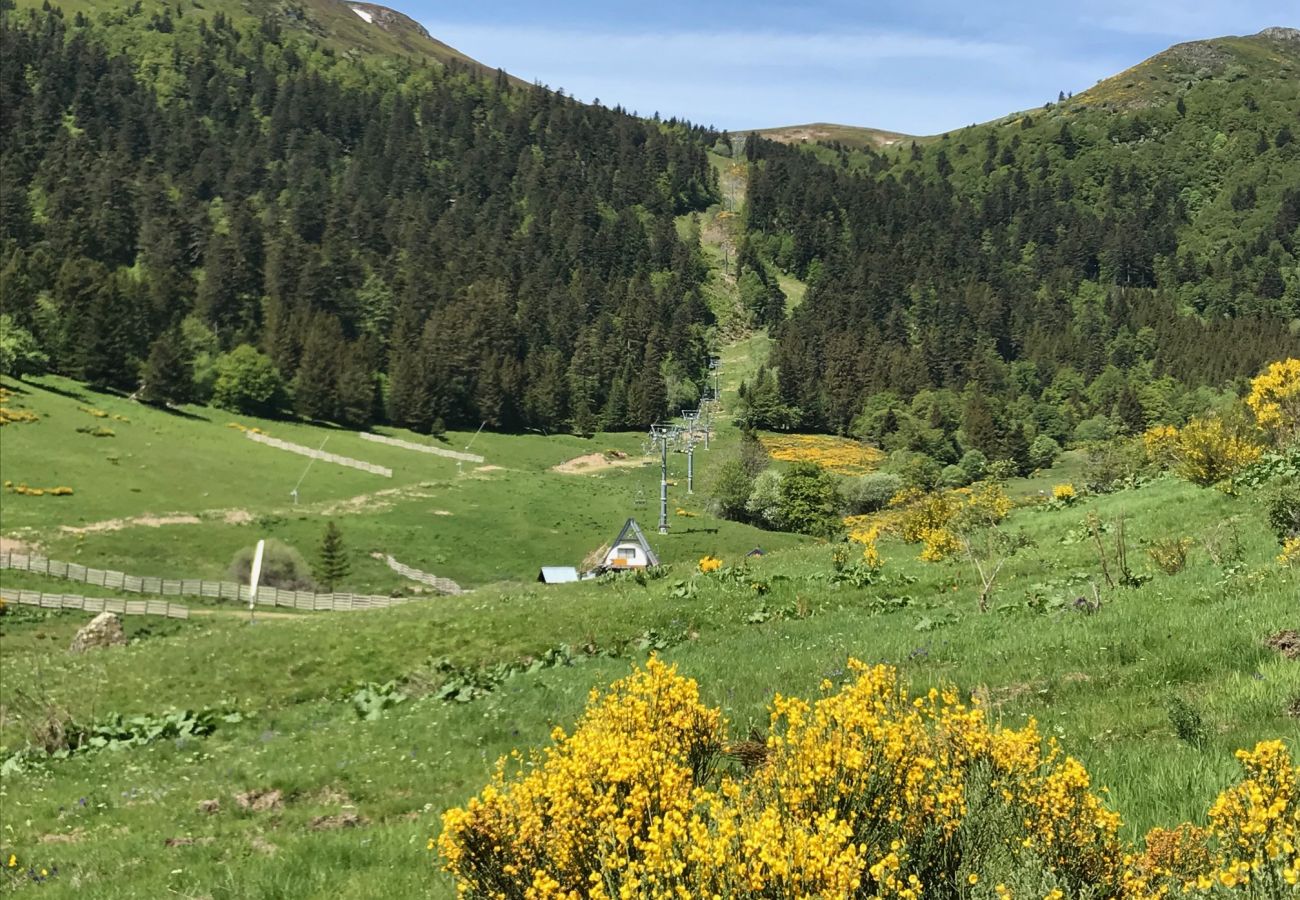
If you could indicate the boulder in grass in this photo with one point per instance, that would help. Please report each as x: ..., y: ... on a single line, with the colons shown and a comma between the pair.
x: 105, y: 630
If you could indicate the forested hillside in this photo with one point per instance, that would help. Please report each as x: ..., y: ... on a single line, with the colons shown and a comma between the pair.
x: 404, y: 240
x: 1087, y: 264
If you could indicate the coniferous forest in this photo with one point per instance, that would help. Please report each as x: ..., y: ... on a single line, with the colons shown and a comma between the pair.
x: 1087, y: 265
x: 345, y: 241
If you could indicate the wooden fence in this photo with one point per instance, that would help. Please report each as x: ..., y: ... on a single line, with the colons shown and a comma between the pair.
x: 96, y: 604
x: 319, y: 454
x: 444, y: 585
x: 193, y: 587
x: 422, y: 448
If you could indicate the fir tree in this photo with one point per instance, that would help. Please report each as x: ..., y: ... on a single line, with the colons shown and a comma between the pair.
x: 332, y: 563
x: 168, y: 374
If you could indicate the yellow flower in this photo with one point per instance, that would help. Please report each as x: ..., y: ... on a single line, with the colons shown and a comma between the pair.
x: 973, y: 879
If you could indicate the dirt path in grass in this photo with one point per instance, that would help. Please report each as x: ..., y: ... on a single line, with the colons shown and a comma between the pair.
x: 119, y: 524
x: 228, y: 613
x: 598, y: 462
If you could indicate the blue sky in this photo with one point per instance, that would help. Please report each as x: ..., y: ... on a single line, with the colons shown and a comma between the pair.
x: 919, y: 67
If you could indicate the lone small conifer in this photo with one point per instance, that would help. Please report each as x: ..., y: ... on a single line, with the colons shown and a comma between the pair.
x: 333, y: 566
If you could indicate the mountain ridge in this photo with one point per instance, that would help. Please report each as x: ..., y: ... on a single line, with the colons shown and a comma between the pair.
x: 350, y: 27
x: 1211, y: 57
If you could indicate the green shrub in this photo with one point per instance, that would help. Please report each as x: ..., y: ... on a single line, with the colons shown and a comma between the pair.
x: 248, y: 382
x: 1043, y: 452
x: 1098, y: 428
x: 731, y: 490
x: 916, y: 469
x: 1282, y: 503
x: 1186, y: 721
x: 764, y: 503
x: 974, y: 464
x: 282, y: 567
x: 953, y: 477
x: 870, y: 493
x: 808, y: 501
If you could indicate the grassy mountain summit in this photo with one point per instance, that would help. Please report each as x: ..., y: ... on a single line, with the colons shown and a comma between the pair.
x: 854, y: 136
x: 1271, y: 55
x: 366, y: 29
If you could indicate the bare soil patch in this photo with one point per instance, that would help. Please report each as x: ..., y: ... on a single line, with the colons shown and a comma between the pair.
x: 260, y: 800
x: 335, y: 822
x: 1286, y: 642
x: 599, y: 462
x: 13, y: 545
x: 378, y: 501
x: 237, y: 517
x: 119, y: 524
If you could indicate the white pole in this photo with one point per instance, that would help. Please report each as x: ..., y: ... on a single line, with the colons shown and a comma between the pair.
x: 254, y: 577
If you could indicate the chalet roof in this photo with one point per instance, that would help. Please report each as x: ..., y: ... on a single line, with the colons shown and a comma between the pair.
x: 632, y: 533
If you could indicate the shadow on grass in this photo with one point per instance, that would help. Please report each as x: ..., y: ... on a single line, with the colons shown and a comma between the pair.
x: 62, y: 392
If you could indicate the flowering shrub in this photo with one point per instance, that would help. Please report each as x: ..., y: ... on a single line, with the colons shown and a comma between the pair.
x: 1209, y: 451
x: 12, y: 415
x: 839, y: 455
x: 1064, y: 494
x: 937, y: 544
x: 600, y: 807
x: 867, y: 792
x: 710, y: 564
x: 1275, y: 398
x: 22, y: 488
x: 1290, y: 555
x: 929, y: 519
x: 1170, y: 554
x: 1160, y: 443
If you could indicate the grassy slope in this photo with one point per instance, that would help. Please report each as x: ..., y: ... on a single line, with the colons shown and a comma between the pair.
x: 1100, y: 682
x: 853, y: 136
x: 331, y: 22
x: 475, y: 526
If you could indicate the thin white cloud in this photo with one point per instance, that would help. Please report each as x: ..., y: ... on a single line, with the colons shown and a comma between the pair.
x: 897, y: 80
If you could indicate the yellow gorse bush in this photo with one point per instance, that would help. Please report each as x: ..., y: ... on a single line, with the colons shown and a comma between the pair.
x: 1290, y: 555
x: 590, y: 813
x: 24, y: 489
x: 1160, y: 443
x: 929, y: 519
x: 867, y: 792
x: 842, y: 456
x: 1274, y: 398
x: 1208, y: 451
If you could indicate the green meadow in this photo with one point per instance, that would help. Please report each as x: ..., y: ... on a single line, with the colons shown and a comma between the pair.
x: 346, y: 735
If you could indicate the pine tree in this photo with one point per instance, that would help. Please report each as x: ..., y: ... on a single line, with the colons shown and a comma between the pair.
x: 332, y: 566
x: 315, y: 388
x: 168, y: 374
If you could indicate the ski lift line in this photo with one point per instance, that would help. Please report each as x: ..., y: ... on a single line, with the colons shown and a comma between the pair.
x: 294, y: 492
x: 476, y: 434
